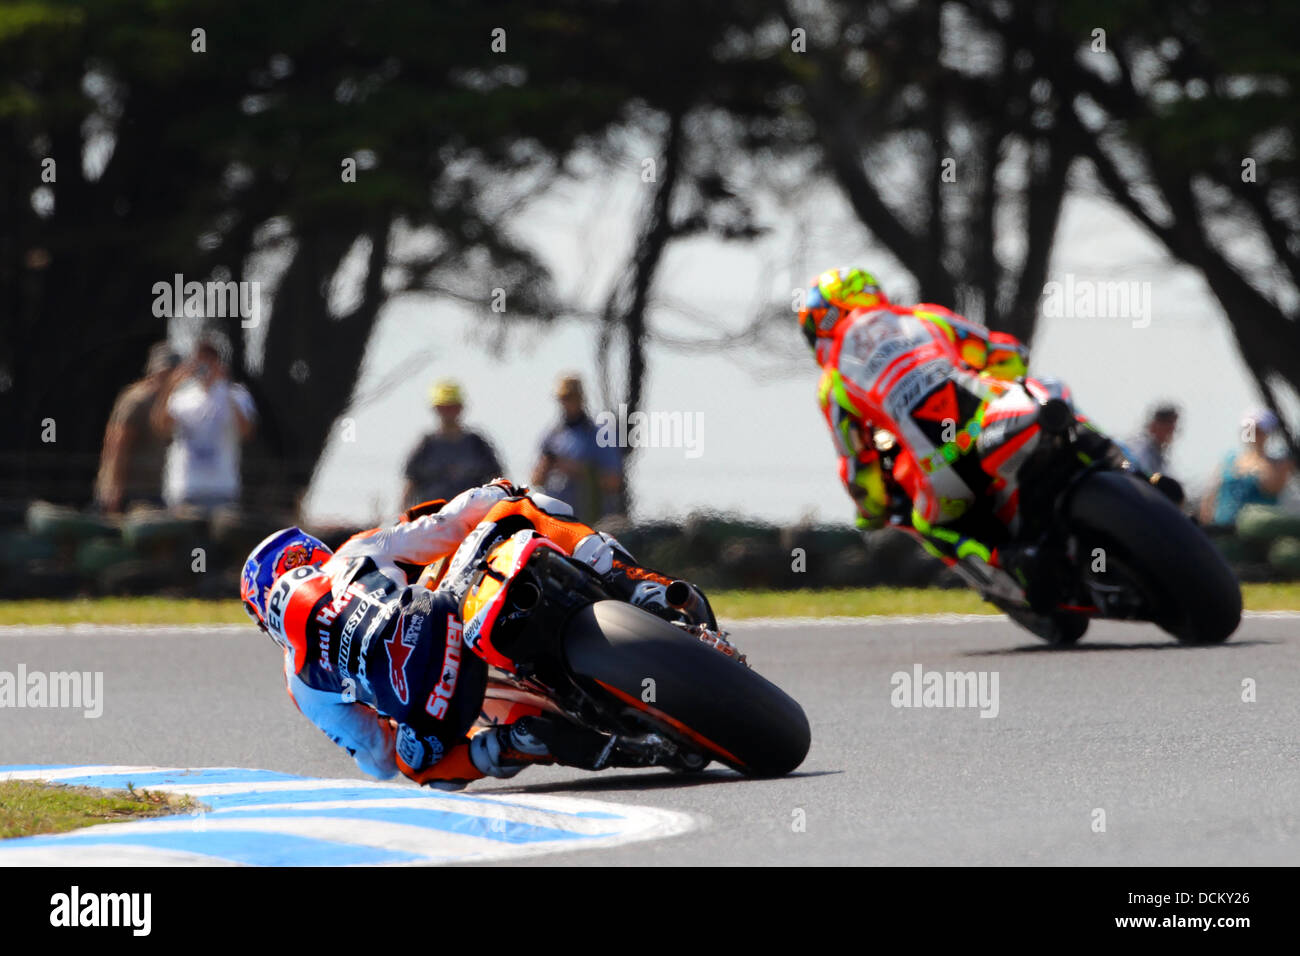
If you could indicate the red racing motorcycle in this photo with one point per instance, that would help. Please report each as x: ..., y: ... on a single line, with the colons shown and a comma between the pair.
x: 1098, y: 540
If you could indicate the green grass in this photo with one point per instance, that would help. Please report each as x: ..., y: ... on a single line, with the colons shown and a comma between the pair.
x: 29, y: 807
x: 729, y: 605
x: 861, y: 602
x: 857, y: 602
x: 131, y: 610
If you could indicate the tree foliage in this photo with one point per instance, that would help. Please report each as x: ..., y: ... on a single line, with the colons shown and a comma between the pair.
x: 226, y: 164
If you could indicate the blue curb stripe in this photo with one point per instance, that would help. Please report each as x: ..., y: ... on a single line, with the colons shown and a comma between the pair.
x: 435, y: 818
x: 118, y: 781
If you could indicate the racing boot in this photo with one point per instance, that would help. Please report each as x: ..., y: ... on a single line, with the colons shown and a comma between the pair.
x: 1097, y: 447
x: 504, y: 750
x: 1034, y: 574
x: 661, y: 595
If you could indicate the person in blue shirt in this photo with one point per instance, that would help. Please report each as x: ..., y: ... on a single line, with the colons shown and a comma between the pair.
x: 574, y: 465
x: 1250, y: 476
x: 1150, y: 447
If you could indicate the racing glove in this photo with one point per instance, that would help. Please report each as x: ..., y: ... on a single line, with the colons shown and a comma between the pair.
x: 417, y: 753
x: 511, y: 489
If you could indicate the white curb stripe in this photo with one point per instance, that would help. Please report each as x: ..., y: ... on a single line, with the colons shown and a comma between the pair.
x: 273, y: 819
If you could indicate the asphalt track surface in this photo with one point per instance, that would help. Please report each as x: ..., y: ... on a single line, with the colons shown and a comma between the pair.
x: 1154, y: 734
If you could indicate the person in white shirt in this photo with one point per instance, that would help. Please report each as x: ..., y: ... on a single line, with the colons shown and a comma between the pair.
x: 207, y: 417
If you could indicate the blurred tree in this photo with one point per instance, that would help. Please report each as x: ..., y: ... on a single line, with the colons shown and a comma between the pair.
x: 225, y: 163
x: 944, y: 141
x: 1189, y: 120
x: 956, y: 129
x: 953, y: 129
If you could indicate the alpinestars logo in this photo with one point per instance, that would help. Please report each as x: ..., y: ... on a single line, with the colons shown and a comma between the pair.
x: 399, y: 648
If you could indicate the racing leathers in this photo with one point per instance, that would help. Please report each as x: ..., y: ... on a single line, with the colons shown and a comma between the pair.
x: 946, y: 390
x: 378, y: 663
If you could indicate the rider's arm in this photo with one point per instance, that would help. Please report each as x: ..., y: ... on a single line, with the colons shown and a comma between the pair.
x: 997, y: 354
x: 367, y: 737
x: 1008, y: 357
x: 425, y: 539
x: 865, y: 482
x: 381, y: 747
x: 860, y: 467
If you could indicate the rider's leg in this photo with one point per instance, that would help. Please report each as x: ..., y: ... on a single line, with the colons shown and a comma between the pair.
x: 503, y: 750
x: 949, y: 544
x: 936, y: 517
x: 628, y: 580
x: 632, y: 582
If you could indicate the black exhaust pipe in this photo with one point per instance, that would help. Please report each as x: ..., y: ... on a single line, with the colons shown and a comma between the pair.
x: 678, y: 595
x: 524, y: 595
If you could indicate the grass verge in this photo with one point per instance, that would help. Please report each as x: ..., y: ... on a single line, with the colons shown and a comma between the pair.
x: 856, y: 602
x: 139, y: 611
x: 863, y: 602
x: 29, y: 807
x: 730, y: 605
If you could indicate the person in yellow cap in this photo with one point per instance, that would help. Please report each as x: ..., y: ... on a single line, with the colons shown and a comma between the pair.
x: 451, y: 458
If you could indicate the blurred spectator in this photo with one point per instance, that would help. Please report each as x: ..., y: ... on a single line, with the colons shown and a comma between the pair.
x: 1150, y: 447
x: 131, y: 464
x: 207, y: 416
x: 1255, y: 475
x: 451, y: 459
x: 574, y: 466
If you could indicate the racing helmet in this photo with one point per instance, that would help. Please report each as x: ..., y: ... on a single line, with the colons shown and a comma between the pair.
x: 835, y: 294
x: 278, y: 554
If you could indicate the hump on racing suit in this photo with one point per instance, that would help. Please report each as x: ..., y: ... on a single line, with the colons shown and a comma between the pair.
x: 944, y: 387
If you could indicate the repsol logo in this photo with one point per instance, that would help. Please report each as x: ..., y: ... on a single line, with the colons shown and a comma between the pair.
x: 279, y: 599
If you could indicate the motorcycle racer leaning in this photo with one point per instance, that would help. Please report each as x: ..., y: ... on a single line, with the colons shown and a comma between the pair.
x: 954, y: 395
x: 378, y: 664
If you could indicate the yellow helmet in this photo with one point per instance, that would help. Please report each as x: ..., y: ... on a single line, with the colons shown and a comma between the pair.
x: 835, y: 294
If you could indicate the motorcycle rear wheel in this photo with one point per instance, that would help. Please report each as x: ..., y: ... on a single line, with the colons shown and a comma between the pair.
x: 694, y: 694
x: 1193, y: 593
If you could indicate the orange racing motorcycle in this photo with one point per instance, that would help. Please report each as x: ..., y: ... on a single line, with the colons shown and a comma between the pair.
x: 669, y: 694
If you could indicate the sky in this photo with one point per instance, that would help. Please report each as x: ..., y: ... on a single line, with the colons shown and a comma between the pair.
x: 763, y: 450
